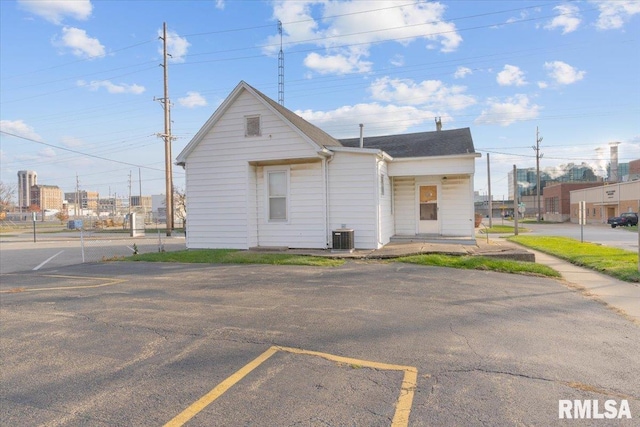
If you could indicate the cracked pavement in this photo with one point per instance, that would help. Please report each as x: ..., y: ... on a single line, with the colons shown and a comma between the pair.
x: 490, y: 348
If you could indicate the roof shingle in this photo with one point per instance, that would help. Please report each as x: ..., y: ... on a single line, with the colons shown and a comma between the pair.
x: 421, y: 144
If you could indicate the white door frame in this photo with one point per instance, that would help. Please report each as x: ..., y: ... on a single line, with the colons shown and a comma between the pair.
x: 432, y: 228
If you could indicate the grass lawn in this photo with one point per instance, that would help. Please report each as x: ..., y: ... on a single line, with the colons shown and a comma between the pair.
x: 230, y: 256
x: 612, y: 261
x: 481, y: 263
x: 502, y: 229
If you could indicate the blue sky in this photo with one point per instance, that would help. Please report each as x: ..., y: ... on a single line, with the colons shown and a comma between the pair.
x: 79, y: 78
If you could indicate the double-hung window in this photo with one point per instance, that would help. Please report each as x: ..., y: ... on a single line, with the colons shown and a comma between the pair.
x: 277, y: 194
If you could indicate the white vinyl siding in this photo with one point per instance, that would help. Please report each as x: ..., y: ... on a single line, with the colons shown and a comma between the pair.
x: 221, y: 192
x: 305, y: 226
x: 456, y: 216
x: 353, y: 192
x: 404, y: 199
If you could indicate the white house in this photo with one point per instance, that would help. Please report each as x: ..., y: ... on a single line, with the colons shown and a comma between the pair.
x: 258, y: 175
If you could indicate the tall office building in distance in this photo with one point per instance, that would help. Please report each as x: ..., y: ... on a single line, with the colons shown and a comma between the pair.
x: 26, y: 179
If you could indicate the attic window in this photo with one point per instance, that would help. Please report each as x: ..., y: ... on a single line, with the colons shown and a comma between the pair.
x: 252, y: 126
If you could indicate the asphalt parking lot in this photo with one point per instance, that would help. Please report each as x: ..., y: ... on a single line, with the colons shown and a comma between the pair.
x: 365, y: 344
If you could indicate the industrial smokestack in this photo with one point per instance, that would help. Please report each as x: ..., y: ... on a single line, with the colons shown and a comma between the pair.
x: 438, y: 124
x: 613, y: 174
x: 361, y: 135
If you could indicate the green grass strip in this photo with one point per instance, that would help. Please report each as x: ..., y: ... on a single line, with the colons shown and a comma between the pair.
x: 502, y: 229
x: 614, y: 262
x: 481, y: 263
x: 230, y: 256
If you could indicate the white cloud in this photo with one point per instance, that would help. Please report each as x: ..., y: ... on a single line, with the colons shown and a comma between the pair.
x: 511, y: 76
x: 614, y: 14
x: 112, y: 87
x: 19, y: 128
x: 177, y: 46
x: 563, y: 73
x: 431, y: 93
x: 397, y: 60
x: 71, y: 142
x: 511, y: 110
x: 543, y: 85
x: 347, y: 29
x: 192, y: 100
x: 336, y: 64
x: 220, y: 4
x: 80, y: 43
x: 378, y: 119
x: 568, y: 18
x: 56, y: 10
x: 462, y: 72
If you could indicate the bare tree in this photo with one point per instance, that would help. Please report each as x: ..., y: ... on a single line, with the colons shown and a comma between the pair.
x: 180, y: 204
x: 6, y: 196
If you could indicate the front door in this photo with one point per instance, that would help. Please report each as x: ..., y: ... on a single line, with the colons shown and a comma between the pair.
x: 428, y: 209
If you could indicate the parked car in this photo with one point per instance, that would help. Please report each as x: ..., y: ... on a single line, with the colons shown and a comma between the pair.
x: 626, y: 219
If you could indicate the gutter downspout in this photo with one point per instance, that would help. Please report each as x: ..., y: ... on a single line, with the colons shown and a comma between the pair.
x: 327, y: 158
x: 361, y: 135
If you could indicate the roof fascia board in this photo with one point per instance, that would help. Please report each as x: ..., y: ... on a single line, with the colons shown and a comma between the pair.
x: 355, y: 150
x: 449, y: 156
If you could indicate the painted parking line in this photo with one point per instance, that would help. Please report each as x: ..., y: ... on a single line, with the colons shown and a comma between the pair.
x: 403, y: 404
x: 106, y: 281
x: 46, y: 261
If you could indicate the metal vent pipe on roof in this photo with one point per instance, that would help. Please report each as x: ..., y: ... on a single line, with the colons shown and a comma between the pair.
x: 361, y: 135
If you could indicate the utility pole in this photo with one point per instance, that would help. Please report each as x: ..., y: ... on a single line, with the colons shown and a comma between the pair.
x: 77, y: 197
x: 515, y: 201
x: 167, y: 134
x: 489, y: 193
x: 538, y: 155
x: 129, y: 195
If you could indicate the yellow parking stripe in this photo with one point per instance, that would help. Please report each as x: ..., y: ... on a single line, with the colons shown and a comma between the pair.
x: 225, y: 385
x: 403, y: 404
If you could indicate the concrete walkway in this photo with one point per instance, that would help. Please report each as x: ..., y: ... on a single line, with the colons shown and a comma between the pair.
x: 623, y: 296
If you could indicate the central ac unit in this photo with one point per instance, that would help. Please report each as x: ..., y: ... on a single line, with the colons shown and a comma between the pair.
x: 343, y: 239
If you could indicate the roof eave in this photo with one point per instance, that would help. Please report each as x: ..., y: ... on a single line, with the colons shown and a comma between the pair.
x: 446, y: 156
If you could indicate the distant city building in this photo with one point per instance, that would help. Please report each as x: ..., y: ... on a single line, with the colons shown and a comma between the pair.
x: 634, y: 171
x: 144, y: 202
x: 26, y: 179
x: 557, y: 199
x: 88, y: 200
x: 46, y: 197
x: 527, y: 178
x: 622, y: 171
x: 606, y: 201
x: 111, y: 206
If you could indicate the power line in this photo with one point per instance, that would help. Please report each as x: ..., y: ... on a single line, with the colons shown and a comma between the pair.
x: 77, y: 152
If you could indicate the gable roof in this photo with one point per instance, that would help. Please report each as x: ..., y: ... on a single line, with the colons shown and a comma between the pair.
x: 421, y: 144
x: 312, y: 134
x: 315, y: 133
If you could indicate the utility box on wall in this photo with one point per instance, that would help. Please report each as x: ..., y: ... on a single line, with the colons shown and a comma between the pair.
x: 343, y: 240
